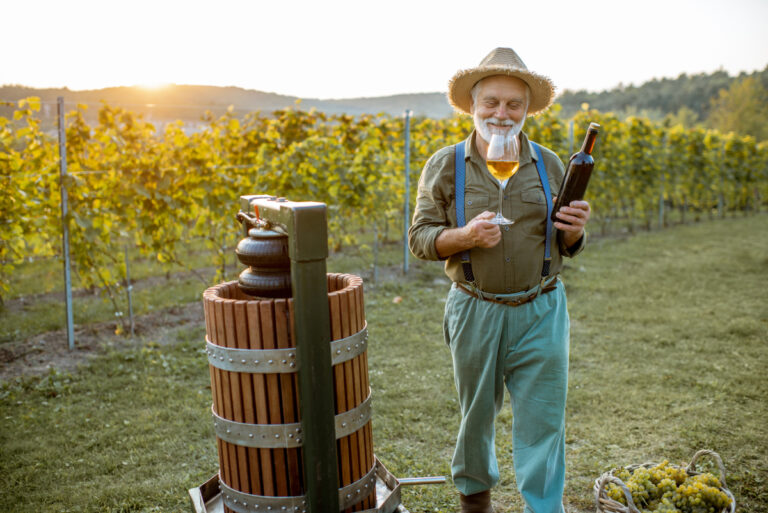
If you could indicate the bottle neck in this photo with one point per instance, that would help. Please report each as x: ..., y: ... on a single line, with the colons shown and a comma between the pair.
x: 589, y: 142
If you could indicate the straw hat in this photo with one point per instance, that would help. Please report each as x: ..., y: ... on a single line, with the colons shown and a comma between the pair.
x: 501, y: 61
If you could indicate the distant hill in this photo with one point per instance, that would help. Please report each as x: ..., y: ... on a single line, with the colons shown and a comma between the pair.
x: 655, y: 99
x: 188, y: 102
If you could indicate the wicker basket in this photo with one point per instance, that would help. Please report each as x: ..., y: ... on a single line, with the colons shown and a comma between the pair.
x: 607, y: 505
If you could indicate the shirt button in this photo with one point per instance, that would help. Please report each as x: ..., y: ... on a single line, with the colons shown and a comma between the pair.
x: 509, y: 289
x: 469, y: 202
x: 508, y: 259
x: 505, y: 196
x: 506, y: 228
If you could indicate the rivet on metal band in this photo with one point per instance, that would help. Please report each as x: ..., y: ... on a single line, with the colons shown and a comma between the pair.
x: 258, y: 361
x: 347, y: 348
x: 288, y: 436
x: 246, y: 503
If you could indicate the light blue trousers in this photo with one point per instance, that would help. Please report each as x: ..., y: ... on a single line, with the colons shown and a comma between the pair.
x: 524, y: 349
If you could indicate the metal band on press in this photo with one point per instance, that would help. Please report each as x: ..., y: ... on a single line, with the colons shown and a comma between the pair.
x: 265, y: 436
x: 286, y: 436
x: 258, y: 361
x: 247, y: 503
x: 277, y: 361
x: 347, y: 348
x: 352, y: 420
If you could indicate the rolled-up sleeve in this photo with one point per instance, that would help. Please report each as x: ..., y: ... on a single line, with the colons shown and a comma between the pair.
x: 430, y: 217
x: 574, y: 250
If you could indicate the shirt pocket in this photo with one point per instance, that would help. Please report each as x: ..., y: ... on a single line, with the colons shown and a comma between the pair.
x: 534, y: 210
x: 534, y: 195
x: 474, y: 205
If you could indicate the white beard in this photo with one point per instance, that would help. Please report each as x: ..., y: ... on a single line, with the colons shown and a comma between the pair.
x: 481, y: 125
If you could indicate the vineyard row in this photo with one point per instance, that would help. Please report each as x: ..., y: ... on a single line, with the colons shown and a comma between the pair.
x: 130, y: 184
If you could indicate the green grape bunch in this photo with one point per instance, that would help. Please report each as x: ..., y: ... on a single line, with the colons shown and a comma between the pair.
x: 670, y: 489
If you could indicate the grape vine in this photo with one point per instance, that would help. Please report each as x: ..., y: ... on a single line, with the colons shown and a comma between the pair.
x: 131, y: 184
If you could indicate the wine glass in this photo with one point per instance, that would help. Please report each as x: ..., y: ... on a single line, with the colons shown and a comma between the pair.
x: 503, y: 160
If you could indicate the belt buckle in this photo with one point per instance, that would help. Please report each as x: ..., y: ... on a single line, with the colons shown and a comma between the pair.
x: 511, y: 302
x: 552, y: 280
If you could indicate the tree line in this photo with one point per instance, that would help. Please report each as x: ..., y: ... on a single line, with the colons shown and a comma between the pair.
x: 712, y: 100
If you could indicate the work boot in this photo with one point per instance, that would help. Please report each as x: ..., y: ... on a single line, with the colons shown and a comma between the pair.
x: 476, y: 503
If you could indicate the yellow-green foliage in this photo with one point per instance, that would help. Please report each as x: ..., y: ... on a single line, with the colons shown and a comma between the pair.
x: 131, y: 184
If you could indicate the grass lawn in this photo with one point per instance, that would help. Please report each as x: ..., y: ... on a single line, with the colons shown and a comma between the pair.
x: 669, y: 347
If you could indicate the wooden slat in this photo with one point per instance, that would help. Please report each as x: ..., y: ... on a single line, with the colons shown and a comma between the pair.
x: 348, y: 328
x: 240, y: 466
x: 266, y: 310
x: 358, y: 386
x: 226, y: 392
x: 216, y: 392
x: 367, y: 430
x: 288, y: 384
x: 266, y: 480
x: 342, y: 446
x: 296, y: 398
x: 246, y: 387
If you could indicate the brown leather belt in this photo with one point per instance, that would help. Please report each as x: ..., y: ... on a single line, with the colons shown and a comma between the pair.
x: 552, y: 285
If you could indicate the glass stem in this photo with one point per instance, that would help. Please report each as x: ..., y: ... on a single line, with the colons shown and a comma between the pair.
x: 501, y: 199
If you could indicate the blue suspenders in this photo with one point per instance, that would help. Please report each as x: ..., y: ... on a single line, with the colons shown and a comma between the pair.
x: 460, y: 181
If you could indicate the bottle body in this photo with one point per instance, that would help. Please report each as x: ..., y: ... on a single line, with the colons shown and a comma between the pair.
x: 577, y: 175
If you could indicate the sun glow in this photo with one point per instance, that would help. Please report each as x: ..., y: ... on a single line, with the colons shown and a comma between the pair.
x: 153, y: 86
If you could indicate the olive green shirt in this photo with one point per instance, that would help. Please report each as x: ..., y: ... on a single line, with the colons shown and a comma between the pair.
x: 515, y: 263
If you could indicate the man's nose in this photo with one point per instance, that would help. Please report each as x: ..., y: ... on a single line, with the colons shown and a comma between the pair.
x: 501, y: 112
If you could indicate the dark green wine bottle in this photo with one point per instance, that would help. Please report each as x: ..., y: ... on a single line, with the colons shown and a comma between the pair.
x: 577, y: 175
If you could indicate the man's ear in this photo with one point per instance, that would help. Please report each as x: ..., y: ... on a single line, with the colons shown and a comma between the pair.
x: 472, y: 107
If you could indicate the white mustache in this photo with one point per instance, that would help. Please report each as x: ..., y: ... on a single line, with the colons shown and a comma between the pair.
x: 496, y: 121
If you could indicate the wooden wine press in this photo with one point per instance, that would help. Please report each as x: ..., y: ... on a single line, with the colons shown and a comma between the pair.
x: 287, y: 353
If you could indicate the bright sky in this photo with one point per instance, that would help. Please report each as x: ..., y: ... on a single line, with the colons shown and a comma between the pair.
x: 343, y: 49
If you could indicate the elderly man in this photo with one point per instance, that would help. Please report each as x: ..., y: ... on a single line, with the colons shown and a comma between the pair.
x: 506, y: 320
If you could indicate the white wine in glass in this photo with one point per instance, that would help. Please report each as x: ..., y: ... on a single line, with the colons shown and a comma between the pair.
x: 503, y: 160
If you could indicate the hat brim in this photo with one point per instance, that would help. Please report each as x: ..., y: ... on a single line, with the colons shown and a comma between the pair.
x: 460, y: 86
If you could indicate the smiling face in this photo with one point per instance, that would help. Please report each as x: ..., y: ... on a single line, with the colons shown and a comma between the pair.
x: 499, y: 103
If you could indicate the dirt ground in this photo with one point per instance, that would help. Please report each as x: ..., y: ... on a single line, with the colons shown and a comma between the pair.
x: 37, y: 354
